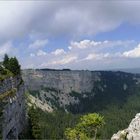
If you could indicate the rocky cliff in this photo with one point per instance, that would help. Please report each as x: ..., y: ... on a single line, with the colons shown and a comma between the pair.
x: 80, y: 91
x: 131, y: 133
x: 56, y: 85
x: 12, y: 107
x: 63, y: 80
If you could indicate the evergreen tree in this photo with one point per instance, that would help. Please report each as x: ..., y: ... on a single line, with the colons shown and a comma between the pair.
x: 11, y: 64
x: 34, y: 117
x: 6, y: 61
x: 14, y: 66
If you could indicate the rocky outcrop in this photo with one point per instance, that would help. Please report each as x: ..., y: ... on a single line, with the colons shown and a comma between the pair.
x: 12, y: 102
x: 32, y: 101
x: 131, y: 133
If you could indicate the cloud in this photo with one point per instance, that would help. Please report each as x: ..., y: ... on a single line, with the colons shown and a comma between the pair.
x: 37, y: 44
x: 41, y: 53
x: 94, y: 56
x: 70, y: 18
x: 65, y: 60
x: 60, y: 62
x: 58, y: 52
x: 85, y: 54
x: 134, y: 53
x: 33, y: 21
x: 83, y: 44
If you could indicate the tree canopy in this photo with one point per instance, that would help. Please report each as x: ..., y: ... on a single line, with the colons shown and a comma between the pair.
x: 11, y: 64
x: 87, y: 127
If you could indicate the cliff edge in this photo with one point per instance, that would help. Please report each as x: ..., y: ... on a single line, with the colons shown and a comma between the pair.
x: 12, y: 100
x: 12, y: 115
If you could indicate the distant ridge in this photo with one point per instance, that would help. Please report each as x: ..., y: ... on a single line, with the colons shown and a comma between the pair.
x: 54, y: 69
x: 129, y: 70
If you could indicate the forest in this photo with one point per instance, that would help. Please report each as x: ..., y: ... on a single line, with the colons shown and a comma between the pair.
x: 45, y: 125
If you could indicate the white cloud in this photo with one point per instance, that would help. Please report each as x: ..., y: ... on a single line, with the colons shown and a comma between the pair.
x: 65, y: 60
x: 41, y: 53
x: 60, y: 62
x: 37, y: 44
x: 101, y: 55
x: 58, y: 52
x: 83, y: 44
x: 134, y: 53
x: 92, y: 56
x: 71, y: 18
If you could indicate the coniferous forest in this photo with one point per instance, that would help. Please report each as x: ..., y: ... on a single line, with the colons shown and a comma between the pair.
x: 45, y: 125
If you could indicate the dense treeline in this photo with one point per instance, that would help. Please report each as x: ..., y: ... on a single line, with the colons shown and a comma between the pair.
x: 119, y: 117
x: 53, y: 125
x: 50, y: 125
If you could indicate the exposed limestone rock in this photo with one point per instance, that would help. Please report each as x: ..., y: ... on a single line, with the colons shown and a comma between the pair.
x: 55, y: 86
x: 38, y: 103
x: 131, y: 133
x: 65, y: 81
x: 13, y: 113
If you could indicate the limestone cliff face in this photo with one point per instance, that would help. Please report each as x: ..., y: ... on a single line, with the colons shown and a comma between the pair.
x: 65, y: 81
x: 131, y: 133
x: 12, y: 107
x: 77, y: 90
x: 55, y: 86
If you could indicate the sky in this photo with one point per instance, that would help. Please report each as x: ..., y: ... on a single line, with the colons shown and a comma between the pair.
x: 80, y: 34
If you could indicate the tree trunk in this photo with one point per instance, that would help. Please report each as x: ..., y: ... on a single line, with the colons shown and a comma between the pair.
x: 95, y: 134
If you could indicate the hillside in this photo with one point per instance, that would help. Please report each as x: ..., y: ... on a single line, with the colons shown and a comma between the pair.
x: 81, y: 91
x: 115, y: 95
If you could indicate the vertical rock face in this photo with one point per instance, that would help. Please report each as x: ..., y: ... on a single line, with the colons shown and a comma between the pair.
x: 131, y: 133
x: 55, y: 86
x: 13, y: 110
x: 65, y: 81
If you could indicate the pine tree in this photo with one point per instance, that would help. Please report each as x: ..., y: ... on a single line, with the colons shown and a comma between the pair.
x: 6, y: 61
x: 11, y: 64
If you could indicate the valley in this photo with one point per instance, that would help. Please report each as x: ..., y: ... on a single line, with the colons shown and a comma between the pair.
x: 115, y: 95
x: 81, y: 91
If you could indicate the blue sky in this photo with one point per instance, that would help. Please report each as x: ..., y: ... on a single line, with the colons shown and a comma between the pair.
x: 92, y: 35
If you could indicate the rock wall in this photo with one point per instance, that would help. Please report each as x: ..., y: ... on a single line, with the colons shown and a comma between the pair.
x: 55, y: 86
x: 65, y: 81
x: 131, y: 133
x: 13, y: 112
x: 67, y: 88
